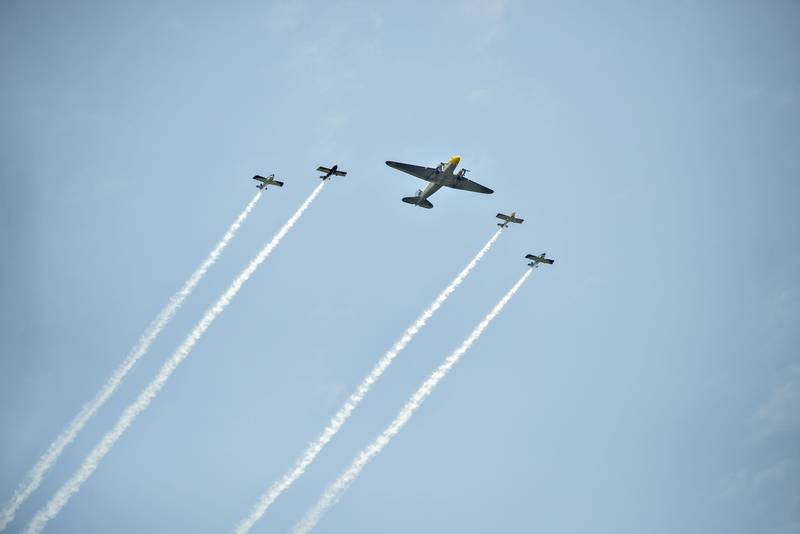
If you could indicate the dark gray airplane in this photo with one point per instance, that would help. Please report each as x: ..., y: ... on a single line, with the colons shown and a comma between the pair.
x: 538, y: 259
x: 333, y: 171
x: 442, y: 175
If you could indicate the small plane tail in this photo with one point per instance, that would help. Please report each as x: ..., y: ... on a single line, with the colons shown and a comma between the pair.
x: 418, y: 201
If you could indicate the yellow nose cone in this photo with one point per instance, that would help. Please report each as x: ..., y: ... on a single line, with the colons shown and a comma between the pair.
x: 455, y: 160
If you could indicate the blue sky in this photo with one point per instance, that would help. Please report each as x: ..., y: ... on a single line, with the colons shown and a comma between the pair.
x: 648, y: 382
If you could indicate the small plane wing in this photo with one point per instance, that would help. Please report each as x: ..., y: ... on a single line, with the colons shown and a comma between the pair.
x: 340, y: 173
x: 414, y: 170
x: 509, y: 218
x: 540, y: 259
x: 323, y: 169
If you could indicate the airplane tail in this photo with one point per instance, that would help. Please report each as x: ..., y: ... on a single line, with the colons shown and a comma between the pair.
x: 418, y: 201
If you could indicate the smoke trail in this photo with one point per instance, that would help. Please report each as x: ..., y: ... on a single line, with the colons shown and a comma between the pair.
x: 311, y: 452
x: 91, y: 462
x: 67, y: 436
x: 335, y: 490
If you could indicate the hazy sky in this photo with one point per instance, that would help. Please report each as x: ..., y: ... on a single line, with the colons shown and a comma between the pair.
x: 649, y: 381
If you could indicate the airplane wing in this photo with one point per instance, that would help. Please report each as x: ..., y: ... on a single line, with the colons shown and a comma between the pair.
x: 323, y: 169
x: 340, y: 173
x: 414, y: 170
x: 468, y: 185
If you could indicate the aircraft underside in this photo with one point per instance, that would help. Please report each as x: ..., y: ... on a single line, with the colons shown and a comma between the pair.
x: 443, y: 175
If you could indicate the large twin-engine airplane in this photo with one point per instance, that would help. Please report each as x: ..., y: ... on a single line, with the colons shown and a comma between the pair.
x: 508, y: 219
x: 333, y: 171
x: 538, y: 259
x: 269, y: 180
x: 442, y: 175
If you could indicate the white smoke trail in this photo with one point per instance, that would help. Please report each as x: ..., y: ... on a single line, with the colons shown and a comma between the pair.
x: 67, y: 436
x: 91, y: 462
x: 311, y: 452
x: 337, y: 488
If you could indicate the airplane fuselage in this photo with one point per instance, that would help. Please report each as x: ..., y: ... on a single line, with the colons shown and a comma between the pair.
x: 444, y: 176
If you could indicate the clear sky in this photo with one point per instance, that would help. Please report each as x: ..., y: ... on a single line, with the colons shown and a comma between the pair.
x: 648, y: 382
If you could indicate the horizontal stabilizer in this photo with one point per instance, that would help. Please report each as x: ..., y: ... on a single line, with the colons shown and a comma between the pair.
x: 418, y: 201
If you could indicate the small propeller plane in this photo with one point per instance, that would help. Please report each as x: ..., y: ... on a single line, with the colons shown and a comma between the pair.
x: 508, y: 219
x: 538, y: 259
x: 269, y: 180
x: 333, y: 171
x: 443, y: 175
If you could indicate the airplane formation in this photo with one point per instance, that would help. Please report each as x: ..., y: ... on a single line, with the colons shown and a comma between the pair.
x: 443, y: 175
